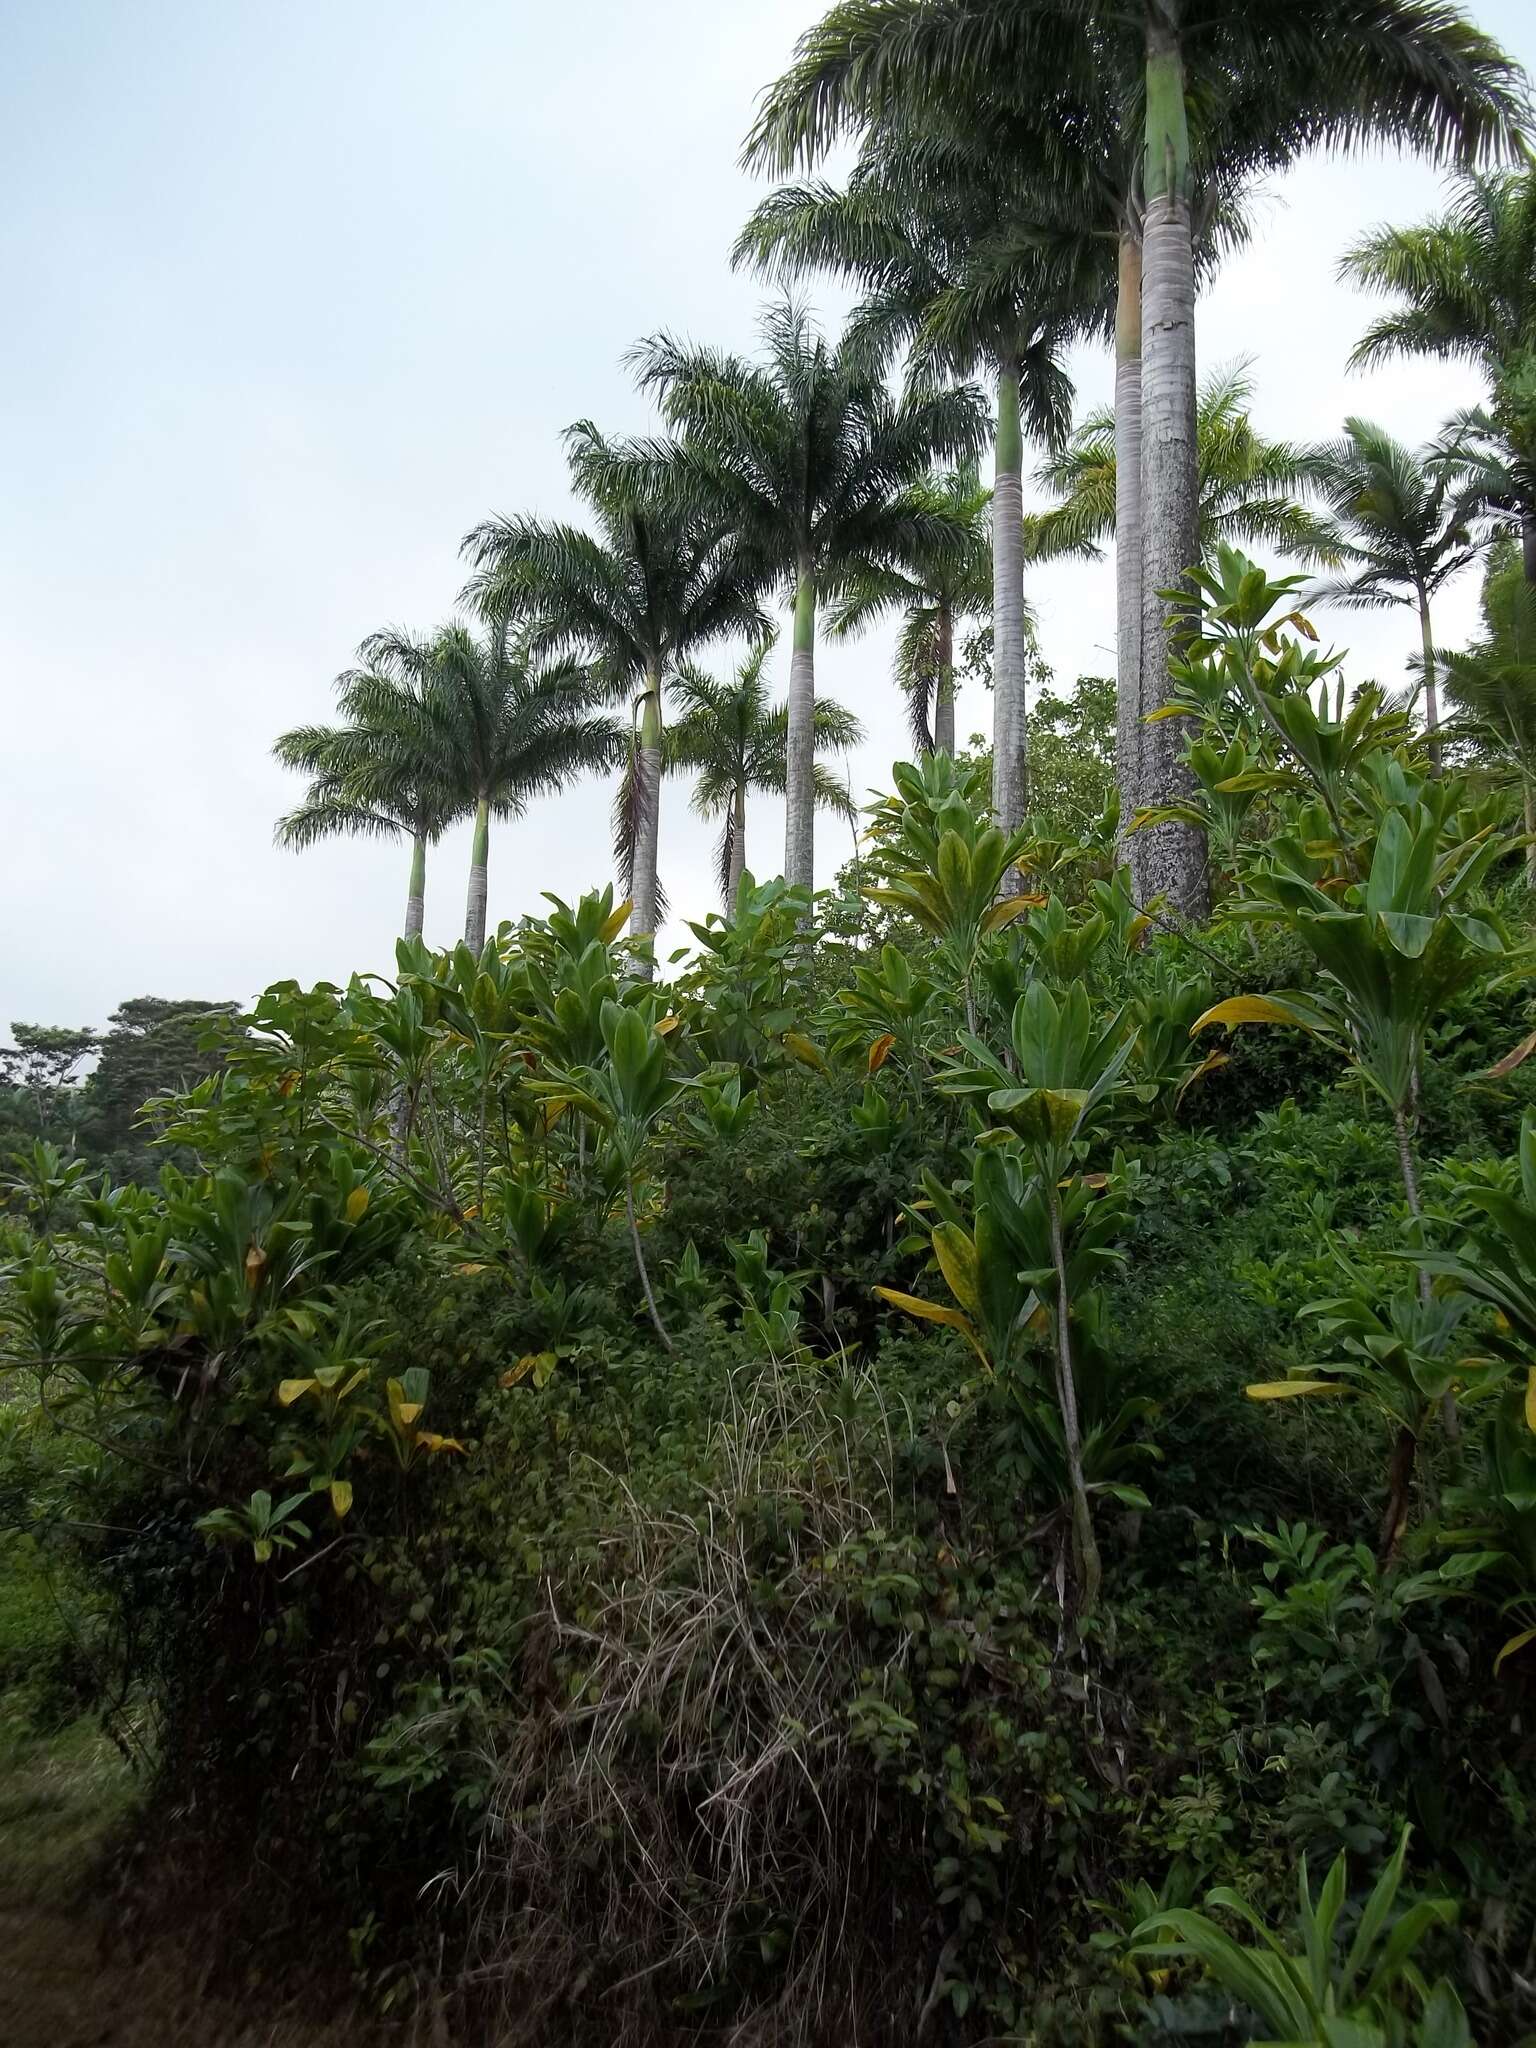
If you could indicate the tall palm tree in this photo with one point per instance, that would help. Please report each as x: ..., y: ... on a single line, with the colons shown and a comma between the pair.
x: 1465, y: 286
x: 808, y: 457
x: 945, y: 581
x: 1405, y: 528
x: 499, y: 724
x: 371, y: 775
x: 1491, y: 688
x: 729, y: 735
x: 659, y: 578
x: 931, y: 231
x: 1216, y: 95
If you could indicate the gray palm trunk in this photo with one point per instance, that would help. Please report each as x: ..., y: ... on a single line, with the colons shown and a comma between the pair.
x: 1170, y: 859
x: 944, y: 688
x: 738, y: 863
x: 644, y: 890
x: 1008, y: 644
x: 1528, y: 545
x: 1431, y: 683
x: 800, y: 746
x: 416, y: 895
x: 1128, y: 542
x: 479, y: 858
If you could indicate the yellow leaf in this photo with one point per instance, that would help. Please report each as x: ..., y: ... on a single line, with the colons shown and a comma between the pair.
x: 1244, y: 1010
x: 1208, y: 1065
x: 1007, y: 910
x: 667, y: 1024
x: 616, y: 921
x: 933, y: 1312
x: 803, y: 1050
x: 521, y: 1370
x: 1290, y: 1390
x: 357, y: 1202
x: 880, y: 1051
x: 956, y: 1254
x: 255, y: 1265
x: 290, y: 1391
x: 1530, y: 1398
x: 473, y: 1266
x: 1526, y: 1635
x: 341, y: 1498
x: 441, y: 1443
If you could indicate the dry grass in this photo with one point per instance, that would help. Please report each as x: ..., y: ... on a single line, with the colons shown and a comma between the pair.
x: 693, y: 1836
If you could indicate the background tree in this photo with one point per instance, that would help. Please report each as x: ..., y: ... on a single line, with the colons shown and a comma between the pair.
x: 499, y: 724
x: 41, y: 1063
x: 1465, y: 284
x: 944, y: 583
x: 371, y: 776
x: 1405, y: 522
x: 1190, y: 107
x: 808, y: 457
x: 734, y: 741
x: 1491, y: 687
x: 932, y: 233
x: 659, y: 578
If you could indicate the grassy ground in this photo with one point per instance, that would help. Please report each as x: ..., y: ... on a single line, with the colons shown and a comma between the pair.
x: 66, y: 1981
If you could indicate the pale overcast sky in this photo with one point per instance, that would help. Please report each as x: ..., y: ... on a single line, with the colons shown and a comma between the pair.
x: 297, y: 293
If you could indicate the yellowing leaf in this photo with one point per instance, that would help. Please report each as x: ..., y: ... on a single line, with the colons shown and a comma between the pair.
x: 521, y: 1370
x: 1007, y: 910
x: 290, y: 1391
x: 1530, y: 1398
x: 934, y: 1312
x: 1245, y: 1010
x: 667, y: 1024
x: 616, y: 921
x: 341, y: 1498
x: 473, y: 1266
x: 880, y: 1051
x: 1291, y: 1390
x: 357, y: 1202
x: 440, y: 1443
x: 956, y: 1254
x: 809, y: 1055
x: 1208, y: 1065
x: 1526, y: 1635
x: 255, y: 1265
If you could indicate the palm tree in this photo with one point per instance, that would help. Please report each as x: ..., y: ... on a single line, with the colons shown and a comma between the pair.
x: 945, y: 581
x: 1247, y: 483
x: 371, y: 775
x: 808, y: 457
x: 1405, y: 521
x: 929, y: 229
x: 1189, y: 99
x: 1466, y: 290
x: 735, y: 741
x: 498, y: 726
x: 659, y: 578
x: 1491, y: 688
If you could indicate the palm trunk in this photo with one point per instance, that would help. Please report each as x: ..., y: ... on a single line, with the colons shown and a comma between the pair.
x: 643, y: 892
x: 1085, y: 1548
x: 800, y: 746
x: 1431, y: 691
x: 738, y: 864
x: 1399, y: 1485
x: 1128, y: 526
x: 1170, y: 859
x: 479, y: 856
x: 944, y: 690
x: 416, y: 895
x: 1008, y: 644
x: 1528, y: 544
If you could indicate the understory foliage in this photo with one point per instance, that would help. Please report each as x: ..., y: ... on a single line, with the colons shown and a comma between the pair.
x: 908, y: 1481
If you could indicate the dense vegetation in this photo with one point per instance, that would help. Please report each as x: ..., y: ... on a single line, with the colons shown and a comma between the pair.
x: 958, y: 1461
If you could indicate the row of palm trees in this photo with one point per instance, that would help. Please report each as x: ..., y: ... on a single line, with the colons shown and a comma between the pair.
x: 1029, y: 172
